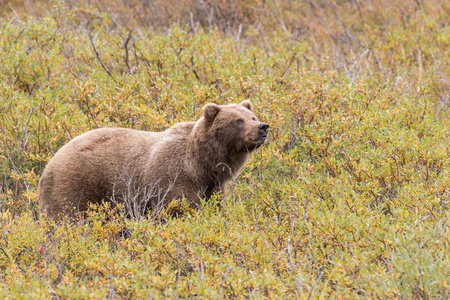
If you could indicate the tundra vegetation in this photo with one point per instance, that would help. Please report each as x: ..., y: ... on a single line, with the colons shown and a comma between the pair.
x: 349, y: 198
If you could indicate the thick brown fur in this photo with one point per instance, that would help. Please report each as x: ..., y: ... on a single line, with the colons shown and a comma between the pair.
x: 193, y: 159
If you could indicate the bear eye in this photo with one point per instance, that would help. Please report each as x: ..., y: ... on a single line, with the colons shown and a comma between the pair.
x: 239, y: 121
x: 254, y: 119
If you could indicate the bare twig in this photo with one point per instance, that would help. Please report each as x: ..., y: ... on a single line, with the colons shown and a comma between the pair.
x: 6, y: 254
x: 315, y: 284
x: 238, y: 35
x: 25, y: 135
x: 178, y: 264
x: 376, y: 59
x: 359, y: 283
x: 305, y: 207
x: 92, y: 38
x: 136, y: 61
x: 86, y: 102
x: 289, y: 247
x: 136, y: 198
x: 16, y: 16
x: 225, y: 225
x: 209, y: 13
x: 221, y: 284
x: 280, y: 16
x: 194, y: 25
x: 194, y: 71
x: 300, y: 285
x: 127, y: 40
x: 288, y: 66
x: 265, y: 39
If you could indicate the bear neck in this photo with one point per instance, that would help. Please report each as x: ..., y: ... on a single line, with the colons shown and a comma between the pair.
x: 210, y: 159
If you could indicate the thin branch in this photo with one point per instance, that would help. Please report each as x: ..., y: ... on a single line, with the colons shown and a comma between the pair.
x: 315, y: 283
x: 289, y: 247
x: 91, y: 37
x: 127, y: 40
x: 288, y: 66
x: 221, y: 284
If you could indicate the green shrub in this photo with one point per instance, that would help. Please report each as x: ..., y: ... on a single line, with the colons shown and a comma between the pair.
x: 349, y: 197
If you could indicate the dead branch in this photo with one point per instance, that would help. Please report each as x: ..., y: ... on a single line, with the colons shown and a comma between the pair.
x: 91, y: 37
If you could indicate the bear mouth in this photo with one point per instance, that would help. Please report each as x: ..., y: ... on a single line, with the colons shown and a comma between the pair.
x: 255, y: 143
x: 260, y: 139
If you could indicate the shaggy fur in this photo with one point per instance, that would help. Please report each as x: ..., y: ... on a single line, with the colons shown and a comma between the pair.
x: 193, y: 159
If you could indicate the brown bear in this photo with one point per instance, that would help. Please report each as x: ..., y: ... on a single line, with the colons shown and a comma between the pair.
x: 148, y: 169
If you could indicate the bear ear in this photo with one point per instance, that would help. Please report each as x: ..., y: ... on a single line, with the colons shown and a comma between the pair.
x: 210, y: 111
x: 247, y: 104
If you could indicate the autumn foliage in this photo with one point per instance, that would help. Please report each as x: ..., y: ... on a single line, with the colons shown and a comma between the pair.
x: 348, y: 199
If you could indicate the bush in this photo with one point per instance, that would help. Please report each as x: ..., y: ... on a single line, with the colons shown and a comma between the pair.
x: 349, y: 197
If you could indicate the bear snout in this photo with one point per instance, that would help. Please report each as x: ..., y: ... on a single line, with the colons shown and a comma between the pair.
x: 263, y: 128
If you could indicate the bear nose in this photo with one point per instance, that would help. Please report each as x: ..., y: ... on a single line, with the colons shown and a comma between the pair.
x: 263, y: 128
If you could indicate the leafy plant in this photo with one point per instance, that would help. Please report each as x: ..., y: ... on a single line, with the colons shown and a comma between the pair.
x: 349, y: 198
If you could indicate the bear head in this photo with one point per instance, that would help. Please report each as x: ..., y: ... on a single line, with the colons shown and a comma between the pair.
x: 235, y: 126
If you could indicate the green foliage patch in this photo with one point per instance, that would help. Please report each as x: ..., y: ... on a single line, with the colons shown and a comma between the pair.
x: 348, y: 199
